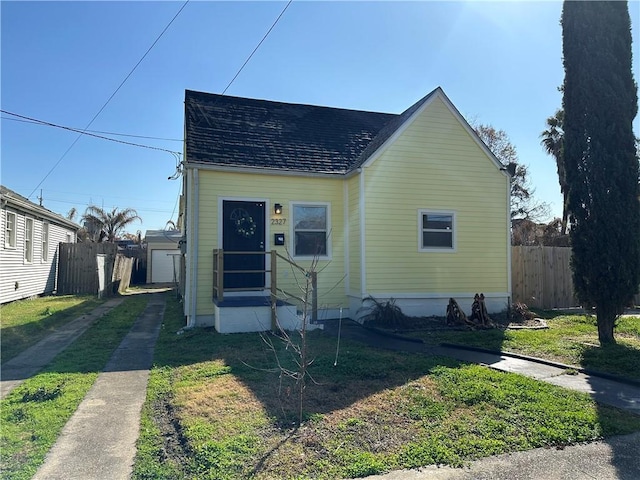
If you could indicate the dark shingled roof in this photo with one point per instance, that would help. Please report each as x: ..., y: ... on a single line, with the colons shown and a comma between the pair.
x: 233, y: 131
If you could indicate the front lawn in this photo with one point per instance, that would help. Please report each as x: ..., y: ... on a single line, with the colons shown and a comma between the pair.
x: 35, y: 412
x: 217, y: 407
x: 25, y: 322
x: 570, y: 339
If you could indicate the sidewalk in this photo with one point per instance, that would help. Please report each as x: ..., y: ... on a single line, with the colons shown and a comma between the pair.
x: 98, y: 442
x: 611, y: 459
x: 33, y: 359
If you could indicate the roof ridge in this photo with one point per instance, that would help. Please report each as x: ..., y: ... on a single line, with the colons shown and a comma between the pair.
x: 279, y: 102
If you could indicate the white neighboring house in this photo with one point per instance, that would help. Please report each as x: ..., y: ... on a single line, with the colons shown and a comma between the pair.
x: 29, y: 249
x: 163, y: 256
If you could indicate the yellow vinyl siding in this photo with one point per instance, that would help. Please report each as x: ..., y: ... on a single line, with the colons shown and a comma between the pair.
x: 273, y: 189
x: 435, y: 165
x: 355, y: 244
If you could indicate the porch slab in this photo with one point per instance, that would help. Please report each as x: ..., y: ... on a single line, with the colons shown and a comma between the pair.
x: 245, y: 314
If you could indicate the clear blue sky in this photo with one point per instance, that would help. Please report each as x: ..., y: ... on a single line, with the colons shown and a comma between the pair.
x: 499, y: 62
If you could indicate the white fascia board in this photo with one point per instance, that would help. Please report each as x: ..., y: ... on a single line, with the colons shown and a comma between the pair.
x: 261, y: 171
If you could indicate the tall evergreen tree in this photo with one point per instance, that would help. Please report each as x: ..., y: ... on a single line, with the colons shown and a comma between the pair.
x: 600, y: 102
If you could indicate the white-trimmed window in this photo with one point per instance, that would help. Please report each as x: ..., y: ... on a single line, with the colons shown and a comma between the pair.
x: 10, y: 230
x: 437, y: 230
x: 310, y: 230
x: 28, y: 240
x: 45, y: 241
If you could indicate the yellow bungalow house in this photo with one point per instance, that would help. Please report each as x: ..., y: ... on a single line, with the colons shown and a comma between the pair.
x: 409, y: 206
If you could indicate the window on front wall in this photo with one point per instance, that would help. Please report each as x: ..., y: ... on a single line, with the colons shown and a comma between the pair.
x: 45, y: 241
x: 10, y: 230
x: 28, y: 240
x: 310, y: 230
x: 437, y: 230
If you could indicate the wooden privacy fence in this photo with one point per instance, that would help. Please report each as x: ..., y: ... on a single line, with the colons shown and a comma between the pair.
x: 92, y: 268
x: 541, y: 277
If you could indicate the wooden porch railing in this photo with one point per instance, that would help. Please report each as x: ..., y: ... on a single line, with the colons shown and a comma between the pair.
x: 219, y: 289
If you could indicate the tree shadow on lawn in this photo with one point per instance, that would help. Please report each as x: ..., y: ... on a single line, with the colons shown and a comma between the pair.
x: 359, y: 372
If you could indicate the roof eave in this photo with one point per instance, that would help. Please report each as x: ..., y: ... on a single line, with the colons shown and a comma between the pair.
x: 202, y: 165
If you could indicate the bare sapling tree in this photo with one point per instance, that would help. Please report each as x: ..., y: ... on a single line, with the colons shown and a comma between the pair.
x: 296, y: 347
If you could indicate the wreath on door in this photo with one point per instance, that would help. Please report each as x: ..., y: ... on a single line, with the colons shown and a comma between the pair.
x: 245, y: 226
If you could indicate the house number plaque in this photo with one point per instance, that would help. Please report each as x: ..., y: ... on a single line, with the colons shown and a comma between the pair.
x: 278, y: 221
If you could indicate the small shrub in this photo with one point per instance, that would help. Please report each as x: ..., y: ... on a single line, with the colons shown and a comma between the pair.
x: 385, y: 314
x: 520, y: 312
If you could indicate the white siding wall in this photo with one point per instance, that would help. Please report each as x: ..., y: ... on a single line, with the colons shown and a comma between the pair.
x: 19, y: 279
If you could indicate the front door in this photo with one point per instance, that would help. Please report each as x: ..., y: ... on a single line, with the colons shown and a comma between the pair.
x: 243, y: 230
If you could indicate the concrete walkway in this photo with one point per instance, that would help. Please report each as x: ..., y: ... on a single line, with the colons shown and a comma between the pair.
x: 611, y: 459
x: 33, y: 359
x: 98, y: 442
x: 621, y: 394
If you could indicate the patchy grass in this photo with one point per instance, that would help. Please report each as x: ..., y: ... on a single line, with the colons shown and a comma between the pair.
x: 570, y: 339
x: 218, y: 409
x: 25, y: 322
x: 35, y: 412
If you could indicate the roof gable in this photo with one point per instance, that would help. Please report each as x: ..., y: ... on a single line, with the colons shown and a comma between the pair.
x: 238, y: 132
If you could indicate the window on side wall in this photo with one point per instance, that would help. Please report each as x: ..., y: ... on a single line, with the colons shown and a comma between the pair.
x: 437, y: 231
x: 310, y: 230
x: 10, y: 230
x: 45, y: 241
x: 28, y: 240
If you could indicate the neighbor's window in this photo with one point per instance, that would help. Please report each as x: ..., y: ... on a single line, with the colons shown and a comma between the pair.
x: 45, y: 241
x: 437, y: 230
x: 310, y: 229
x: 28, y: 240
x: 10, y: 230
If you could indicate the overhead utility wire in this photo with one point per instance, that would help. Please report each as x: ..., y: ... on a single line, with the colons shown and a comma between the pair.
x: 109, y: 99
x: 39, y: 122
x: 257, y: 47
x: 86, y: 132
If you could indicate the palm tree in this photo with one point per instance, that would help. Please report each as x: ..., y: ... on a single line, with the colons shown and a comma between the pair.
x: 553, y: 143
x: 105, y: 225
x: 71, y: 214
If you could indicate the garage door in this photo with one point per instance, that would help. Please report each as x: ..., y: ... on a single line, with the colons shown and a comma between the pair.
x: 162, y: 265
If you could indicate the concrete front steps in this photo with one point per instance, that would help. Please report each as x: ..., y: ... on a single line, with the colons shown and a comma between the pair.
x: 243, y: 314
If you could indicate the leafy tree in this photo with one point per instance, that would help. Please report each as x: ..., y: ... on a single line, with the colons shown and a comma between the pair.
x: 553, y: 143
x: 106, y: 225
x: 600, y: 102
x: 523, y: 203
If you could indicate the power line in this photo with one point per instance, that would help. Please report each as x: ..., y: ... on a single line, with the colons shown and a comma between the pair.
x: 257, y: 46
x: 39, y: 122
x: 109, y: 99
x: 86, y: 132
